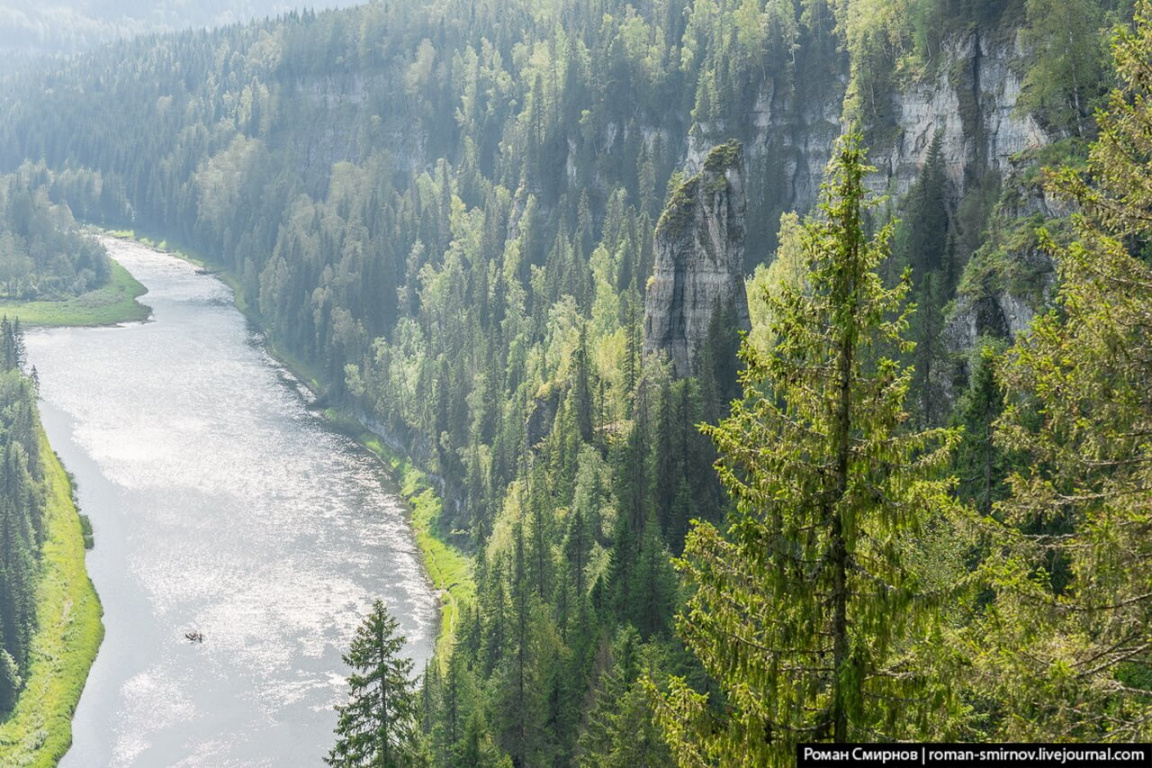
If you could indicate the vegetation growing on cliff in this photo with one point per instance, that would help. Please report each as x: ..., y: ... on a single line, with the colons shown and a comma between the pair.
x: 678, y: 209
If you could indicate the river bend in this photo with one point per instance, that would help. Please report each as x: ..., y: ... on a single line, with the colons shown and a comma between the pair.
x: 222, y: 505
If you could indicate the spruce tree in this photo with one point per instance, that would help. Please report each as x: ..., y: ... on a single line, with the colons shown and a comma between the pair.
x: 653, y: 588
x: 980, y: 464
x: 582, y: 387
x: 808, y: 610
x: 10, y: 682
x: 1072, y: 615
x: 377, y: 726
x: 923, y: 245
x: 620, y: 731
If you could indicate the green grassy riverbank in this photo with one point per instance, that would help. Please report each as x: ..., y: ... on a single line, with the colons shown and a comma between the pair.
x: 110, y: 304
x: 448, y: 567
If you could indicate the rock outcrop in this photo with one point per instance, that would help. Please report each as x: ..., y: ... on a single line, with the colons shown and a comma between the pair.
x: 971, y: 105
x: 699, y: 259
x: 788, y: 138
x: 1011, y: 277
x: 789, y: 134
x: 1001, y: 315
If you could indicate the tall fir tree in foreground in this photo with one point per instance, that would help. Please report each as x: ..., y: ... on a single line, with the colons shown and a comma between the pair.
x: 811, y: 610
x: 377, y: 726
x: 1072, y: 618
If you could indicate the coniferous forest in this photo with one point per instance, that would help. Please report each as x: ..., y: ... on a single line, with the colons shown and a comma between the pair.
x: 780, y: 366
x: 21, y: 515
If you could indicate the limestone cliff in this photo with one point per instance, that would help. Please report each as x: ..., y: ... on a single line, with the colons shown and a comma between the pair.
x: 788, y: 135
x: 1010, y: 277
x: 968, y: 101
x: 971, y: 104
x: 699, y: 259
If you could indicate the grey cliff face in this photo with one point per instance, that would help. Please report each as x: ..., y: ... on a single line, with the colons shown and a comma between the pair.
x: 971, y: 105
x: 699, y: 260
x: 789, y: 135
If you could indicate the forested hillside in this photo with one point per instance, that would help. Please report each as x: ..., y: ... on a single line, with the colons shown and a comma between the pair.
x: 42, y: 253
x: 21, y: 515
x: 448, y: 212
x: 31, y: 27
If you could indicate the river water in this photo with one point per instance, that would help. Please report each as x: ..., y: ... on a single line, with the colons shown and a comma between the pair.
x: 221, y: 505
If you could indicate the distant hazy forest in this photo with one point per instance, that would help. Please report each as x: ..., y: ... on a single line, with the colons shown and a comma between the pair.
x: 34, y: 27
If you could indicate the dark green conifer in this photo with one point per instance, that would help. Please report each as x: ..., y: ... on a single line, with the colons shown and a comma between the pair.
x: 807, y: 611
x: 377, y: 725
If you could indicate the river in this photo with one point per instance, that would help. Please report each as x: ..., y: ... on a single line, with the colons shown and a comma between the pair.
x: 220, y: 504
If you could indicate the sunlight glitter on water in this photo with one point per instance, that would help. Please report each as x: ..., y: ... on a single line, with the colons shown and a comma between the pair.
x: 219, y: 504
